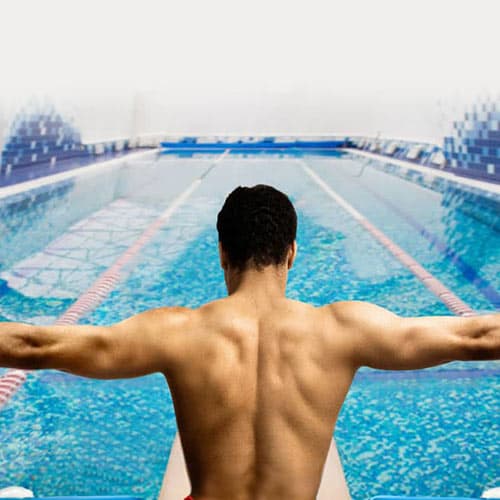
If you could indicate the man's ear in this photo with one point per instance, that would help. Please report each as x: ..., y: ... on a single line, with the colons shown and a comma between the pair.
x: 222, y: 257
x: 292, y: 253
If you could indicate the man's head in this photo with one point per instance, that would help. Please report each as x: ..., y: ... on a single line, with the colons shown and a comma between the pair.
x: 257, y: 228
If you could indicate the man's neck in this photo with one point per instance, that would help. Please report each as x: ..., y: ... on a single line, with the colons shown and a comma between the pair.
x: 265, y: 284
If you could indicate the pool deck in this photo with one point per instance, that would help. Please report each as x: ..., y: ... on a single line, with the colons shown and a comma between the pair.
x: 74, y: 171
x: 444, y: 174
x: 38, y: 170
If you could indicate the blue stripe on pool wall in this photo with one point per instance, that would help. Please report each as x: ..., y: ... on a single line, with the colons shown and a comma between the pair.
x: 251, y: 143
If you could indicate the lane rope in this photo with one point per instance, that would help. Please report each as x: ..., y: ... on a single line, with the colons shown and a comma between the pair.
x: 13, y: 379
x: 452, y: 301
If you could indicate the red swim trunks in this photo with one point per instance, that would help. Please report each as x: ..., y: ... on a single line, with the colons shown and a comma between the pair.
x: 189, y: 498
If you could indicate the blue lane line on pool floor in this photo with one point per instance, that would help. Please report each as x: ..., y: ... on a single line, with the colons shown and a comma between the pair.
x: 467, y: 271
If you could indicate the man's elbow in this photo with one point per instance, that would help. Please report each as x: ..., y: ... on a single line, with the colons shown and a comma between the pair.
x: 483, y: 342
x: 28, y: 350
x: 479, y: 349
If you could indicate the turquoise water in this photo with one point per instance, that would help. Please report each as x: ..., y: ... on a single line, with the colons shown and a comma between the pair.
x: 433, y: 431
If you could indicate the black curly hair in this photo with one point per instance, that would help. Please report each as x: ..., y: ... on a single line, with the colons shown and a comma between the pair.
x: 256, y: 225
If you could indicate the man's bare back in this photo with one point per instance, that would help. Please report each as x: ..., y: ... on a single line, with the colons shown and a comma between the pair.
x: 257, y: 393
x: 257, y: 382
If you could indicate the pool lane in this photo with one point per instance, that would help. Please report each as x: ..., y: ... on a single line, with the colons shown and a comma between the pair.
x: 461, y: 251
x: 483, y: 285
x: 453, y: 303
x: 13, y: 380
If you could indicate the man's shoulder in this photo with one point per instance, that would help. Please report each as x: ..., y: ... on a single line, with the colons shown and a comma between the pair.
x: 170, y: 317
x: 183, y: 315
x: 347, y: 313
x: 355, y: 313
x: 345, y: 308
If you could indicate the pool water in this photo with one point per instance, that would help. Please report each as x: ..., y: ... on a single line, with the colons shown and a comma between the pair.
x: 426, y: 432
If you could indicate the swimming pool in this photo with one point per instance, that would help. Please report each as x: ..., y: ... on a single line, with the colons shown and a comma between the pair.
x: 433, y: 431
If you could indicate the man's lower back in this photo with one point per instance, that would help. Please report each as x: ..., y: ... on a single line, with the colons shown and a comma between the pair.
x: 176, y: 482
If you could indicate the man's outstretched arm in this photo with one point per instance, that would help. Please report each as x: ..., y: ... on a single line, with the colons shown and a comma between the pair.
x: 137, y: 346
x: 381, y: 339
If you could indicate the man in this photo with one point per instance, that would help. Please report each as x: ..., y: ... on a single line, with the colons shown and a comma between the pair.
x: 257, y: 379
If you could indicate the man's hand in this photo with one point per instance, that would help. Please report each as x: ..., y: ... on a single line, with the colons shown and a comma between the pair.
x: 381, y: 339
x: 143, y: 344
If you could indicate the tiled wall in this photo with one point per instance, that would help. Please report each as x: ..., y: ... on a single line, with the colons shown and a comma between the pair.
x: 472, y: 149
x: 475, y: 142
x: 40, y: 136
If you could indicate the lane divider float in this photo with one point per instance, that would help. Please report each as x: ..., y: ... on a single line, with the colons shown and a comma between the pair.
x: 454, y: 303
x: 13, y: 379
